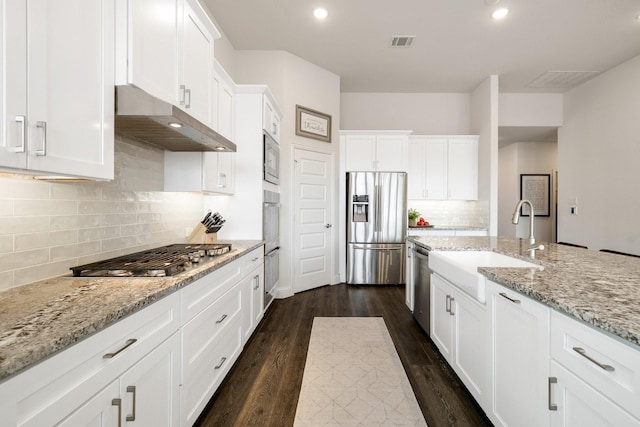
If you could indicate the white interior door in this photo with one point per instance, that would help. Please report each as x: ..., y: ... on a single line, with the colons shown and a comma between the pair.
x: 313, y: 220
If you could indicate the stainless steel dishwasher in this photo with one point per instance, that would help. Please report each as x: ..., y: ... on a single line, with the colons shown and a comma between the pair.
x: 422, y: 291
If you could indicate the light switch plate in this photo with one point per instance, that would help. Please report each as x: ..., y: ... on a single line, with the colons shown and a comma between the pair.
x: 573, y: 210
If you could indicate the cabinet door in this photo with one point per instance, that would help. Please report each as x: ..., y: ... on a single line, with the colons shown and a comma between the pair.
x: 197, y: 64
x: 224, y: 111
x: 270, y: 119
x: 150, y: 41
x: 416, y: 189
x: 391, y: 153
x: 578, y: 404
x: 102, y: 410
x: 435, y: 167
x: 462, y: 169
x: 71, y: 96
x: 257, y: 287
x: 150, y: 390
x: 13, y: 89
x: 441, y: 322
x: 360, y: 152
x: 520, y: 340
x: 219, y: 172
x: 410, y: 286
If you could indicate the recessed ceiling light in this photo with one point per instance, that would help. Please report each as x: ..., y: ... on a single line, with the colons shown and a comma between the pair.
x: 175, y: 125
x: 500, y: 13
x: 320, y: 13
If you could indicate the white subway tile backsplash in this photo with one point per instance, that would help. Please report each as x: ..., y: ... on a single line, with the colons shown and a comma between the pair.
x: 98, y: 233
x: 65, y: 252
x: 101, y: 207
x: 40, y: 272
x: 45, y: 207
x: 6, y: 280
x: 63, y: 222
x: 6, y: 244
x: 20, y: 188
x: 6, y: 207
x: 64, y: 191
x: 44, y: 239
x: 118, y: 219
x: 23, y: 224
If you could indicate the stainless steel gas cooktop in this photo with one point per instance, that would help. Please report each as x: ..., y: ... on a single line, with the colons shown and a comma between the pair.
x: 158, y: 262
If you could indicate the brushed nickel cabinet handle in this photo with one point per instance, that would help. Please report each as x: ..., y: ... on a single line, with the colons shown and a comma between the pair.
x: 224, y: 316
x: 187, y: 98
x: 515, y: 301
x: 126, y: 345
x: 447, y: 304
x: 132, y: 389
x: 43, y: 149
x: 118, y: 403
x: 182, y: 90
x: 582, y: 352
x: 219, y: 365
x: 552, y: 407
x: 22, y: 120
x: 451, y: 300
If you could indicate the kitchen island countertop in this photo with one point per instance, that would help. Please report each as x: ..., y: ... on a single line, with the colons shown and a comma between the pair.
x: 42, y: 318
x: 601, y: 289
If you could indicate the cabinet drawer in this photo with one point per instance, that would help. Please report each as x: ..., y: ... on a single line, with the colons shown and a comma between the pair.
x: 200, y: 294
x: 199, y: 336
x: 210, y: 372
x: 608, y: 365
x: 47, y: 391
x: 252, y: 260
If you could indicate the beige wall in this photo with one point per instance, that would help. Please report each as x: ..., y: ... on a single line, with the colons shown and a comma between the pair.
x: 598, y: 158
x: 47, y: 227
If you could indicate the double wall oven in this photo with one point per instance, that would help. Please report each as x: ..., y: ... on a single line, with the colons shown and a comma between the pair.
x: 271, y: 236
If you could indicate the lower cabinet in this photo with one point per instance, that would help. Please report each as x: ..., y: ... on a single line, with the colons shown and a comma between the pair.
x: 520, y: 348
x: 459, y: 328
x: 409, y: 290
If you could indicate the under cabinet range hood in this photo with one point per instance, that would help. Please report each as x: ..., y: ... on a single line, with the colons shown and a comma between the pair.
x: 145, y: 118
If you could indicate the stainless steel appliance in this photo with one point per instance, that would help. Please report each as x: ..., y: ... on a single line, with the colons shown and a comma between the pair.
x: 158, y: 262
x: 271, y: 159
x: 376, y: 227
x: 271, y: 236
x: 422, y: 287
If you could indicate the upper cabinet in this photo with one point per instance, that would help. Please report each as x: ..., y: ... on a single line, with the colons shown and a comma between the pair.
x: 443, y: 167
x: 165, y: 47
x: 271, y: 118
x: 223, y: 99
x: 375, y: 151
x: 199, y: 171
x: 58, y: 101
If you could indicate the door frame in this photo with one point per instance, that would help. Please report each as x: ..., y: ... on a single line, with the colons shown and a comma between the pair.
x: 334, y: 279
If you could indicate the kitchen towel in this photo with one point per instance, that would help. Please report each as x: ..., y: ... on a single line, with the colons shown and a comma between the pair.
x: 353, y: 377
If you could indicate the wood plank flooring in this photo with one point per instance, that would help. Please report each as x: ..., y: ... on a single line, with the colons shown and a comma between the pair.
x: 262, y: 388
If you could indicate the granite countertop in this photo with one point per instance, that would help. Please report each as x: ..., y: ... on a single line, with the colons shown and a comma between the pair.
x: 42, y: 318
x: 598, y: 288
x: 448, y: 227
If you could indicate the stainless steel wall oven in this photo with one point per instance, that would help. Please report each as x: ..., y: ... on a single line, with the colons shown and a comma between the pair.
x: 271, y: 236
x: 271, y: 167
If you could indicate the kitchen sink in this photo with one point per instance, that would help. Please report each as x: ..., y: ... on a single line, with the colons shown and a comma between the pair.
x: 461, y: 268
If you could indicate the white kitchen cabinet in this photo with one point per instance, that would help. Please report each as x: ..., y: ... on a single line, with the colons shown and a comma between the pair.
x: 223, y: 97
x: 202, y: 172
x: 271, y: 117
x: 139, y: 351
x: 410, y: 287
x: 166, y: 48
x: 460, y: 330
x: 375, y: 150
x: 102, y: 410
x: 58, y: 102
x: 520, y: 349
x: 574, y: 403
x: 443, y: 167
x: 445, y: 232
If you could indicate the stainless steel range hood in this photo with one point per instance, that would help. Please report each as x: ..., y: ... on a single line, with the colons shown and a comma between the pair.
x: 145, y: 118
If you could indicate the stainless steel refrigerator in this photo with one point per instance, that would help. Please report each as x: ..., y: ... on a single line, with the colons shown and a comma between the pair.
x: 376, y: 226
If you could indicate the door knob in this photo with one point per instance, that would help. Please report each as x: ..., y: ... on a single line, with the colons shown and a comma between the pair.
x: 327, y: 226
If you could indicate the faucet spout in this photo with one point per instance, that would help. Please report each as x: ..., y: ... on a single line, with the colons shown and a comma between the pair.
x: 516, y: 218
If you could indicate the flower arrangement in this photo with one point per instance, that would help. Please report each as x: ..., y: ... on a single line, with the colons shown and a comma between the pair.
x: 413, y: 214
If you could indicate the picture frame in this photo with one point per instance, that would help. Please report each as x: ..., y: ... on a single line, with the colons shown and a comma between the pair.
x: 313, y: 124
x: 537, y: 189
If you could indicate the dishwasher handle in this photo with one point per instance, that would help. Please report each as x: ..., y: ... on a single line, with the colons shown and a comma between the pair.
x: 421, y: 253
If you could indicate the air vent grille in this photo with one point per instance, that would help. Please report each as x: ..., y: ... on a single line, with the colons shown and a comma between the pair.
x: 402, y: 41
x: 561, y: 79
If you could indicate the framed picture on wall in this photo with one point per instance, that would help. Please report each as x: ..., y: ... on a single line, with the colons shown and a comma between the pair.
x: 313, y: 124
x: 537, y: 189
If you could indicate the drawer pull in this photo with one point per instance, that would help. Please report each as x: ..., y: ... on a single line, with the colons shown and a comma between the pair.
x: 447, y: 304
x: 118, y: 403
x: 220, y: 320
x: 132, y: 389
x: 552, y: 406
x: 451, y: 300
x: 515, y: 301
x: 255, y: 259
x: 219, y: 365
x: 126, y: 345
x: 582, y: 352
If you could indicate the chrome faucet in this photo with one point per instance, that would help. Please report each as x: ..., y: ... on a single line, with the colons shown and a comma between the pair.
x: 516, y: 218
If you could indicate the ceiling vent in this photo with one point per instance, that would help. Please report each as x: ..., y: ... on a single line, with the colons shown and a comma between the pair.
x: 561, y: 79
x: 402, y: 41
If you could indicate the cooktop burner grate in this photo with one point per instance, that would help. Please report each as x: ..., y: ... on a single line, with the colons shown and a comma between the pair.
x: 163, y: 261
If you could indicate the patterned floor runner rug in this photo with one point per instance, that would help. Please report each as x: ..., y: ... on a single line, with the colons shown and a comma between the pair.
x: 353, y: 377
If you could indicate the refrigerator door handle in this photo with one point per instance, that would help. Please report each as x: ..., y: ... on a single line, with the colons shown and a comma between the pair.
x: 377, y: 249
x: 378, y: 203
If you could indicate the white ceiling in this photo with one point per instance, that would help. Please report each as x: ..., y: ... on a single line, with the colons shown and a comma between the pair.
x: 457, y: 44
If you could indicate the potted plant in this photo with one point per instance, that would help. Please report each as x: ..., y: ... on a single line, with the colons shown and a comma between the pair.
x: 413, y: 217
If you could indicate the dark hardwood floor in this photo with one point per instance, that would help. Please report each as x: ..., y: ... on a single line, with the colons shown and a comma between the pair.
x: 262, y: 388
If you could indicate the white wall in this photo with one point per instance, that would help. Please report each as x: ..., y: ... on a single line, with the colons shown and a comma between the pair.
x: 525, y: 158
x: 484, y: 122
x: 292, y: 81
x: 598, y: 158
x: 424, y: 113
x: 530, y: 109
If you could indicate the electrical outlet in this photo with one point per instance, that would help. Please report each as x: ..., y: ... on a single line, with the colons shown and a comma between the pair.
x: 573, y: 210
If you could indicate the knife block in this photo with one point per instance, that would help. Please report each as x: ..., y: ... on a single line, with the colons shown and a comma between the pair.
x: 199, y: 235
